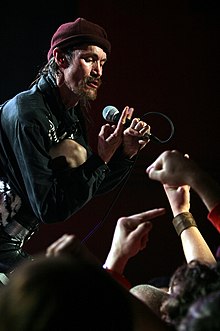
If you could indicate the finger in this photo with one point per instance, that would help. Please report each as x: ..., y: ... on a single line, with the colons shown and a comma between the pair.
x: 144, y: 242
x: 130, y: 113
x: 142, y: 231
x: 123, y: 117
x: 145, y: 129
x: 134, y: 123
x: 104, y: 130
x: 142, y: 127
x: 156, y: 165
x: 147, y: 215
x: 55, y: 243
x: 154, y: 172
x: 61, y: 245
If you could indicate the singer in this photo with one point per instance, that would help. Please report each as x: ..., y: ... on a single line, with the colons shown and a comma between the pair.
x: 49, y: 171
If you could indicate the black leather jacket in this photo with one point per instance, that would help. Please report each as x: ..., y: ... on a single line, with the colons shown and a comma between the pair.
x: 31, y: 122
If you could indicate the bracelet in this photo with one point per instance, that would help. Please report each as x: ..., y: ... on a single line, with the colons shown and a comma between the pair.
x: 183, y: 221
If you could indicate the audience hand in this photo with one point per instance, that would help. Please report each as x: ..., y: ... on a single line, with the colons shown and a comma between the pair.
x: 179, y: 198
x: 72, y: 246
x: 172, y: 168
x: 131, y: 236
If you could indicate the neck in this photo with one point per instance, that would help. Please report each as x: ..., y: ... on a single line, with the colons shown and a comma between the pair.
x: 69, y: 98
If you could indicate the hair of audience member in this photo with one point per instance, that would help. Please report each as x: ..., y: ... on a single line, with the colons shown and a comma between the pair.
x: 62, y: 293
x: 203, y: 314
x: 189, y: 282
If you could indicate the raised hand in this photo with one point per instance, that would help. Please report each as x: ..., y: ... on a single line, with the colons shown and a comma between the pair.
x: 110, y: 136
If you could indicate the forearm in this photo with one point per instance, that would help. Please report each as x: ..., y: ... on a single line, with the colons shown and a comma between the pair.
x: 207, y: 189
x: 195, y: 247
x: 193, y: 243
x: 115, y: 267
x: 115, y: 263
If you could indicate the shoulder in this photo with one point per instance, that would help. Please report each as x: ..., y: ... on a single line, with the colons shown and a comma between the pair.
x: 28, y: 105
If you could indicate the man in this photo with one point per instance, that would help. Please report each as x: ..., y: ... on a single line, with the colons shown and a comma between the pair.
x: 49, y: 169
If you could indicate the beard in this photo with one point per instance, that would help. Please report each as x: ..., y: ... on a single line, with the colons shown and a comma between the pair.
x: 88, y: 93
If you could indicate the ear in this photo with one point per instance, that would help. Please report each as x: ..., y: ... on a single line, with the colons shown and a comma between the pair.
x: 60, y: 58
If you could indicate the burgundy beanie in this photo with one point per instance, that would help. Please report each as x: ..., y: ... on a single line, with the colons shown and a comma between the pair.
x: 77, y: 33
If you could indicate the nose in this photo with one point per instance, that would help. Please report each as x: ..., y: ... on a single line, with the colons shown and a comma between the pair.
x: 97, y: 69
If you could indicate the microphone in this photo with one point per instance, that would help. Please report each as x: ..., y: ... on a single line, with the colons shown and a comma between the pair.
x: 112, y: 114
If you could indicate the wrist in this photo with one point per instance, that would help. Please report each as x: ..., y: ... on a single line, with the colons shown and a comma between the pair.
x: 177, y: 212
x: 183, y: 221
x: 120, y: 278
x: 115, y: 265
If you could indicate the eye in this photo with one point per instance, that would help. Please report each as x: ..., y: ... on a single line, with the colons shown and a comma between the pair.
x: 89, y: 59
x: 102, y: 63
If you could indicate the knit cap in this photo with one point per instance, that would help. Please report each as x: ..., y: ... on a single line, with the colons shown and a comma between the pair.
x: 77, y: 33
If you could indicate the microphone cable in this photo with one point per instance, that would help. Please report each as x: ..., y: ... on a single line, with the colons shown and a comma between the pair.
x: 114, y: 200
x: 155, y: 139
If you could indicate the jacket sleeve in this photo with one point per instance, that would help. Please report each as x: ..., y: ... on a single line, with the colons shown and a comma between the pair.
x: 214, y: 217
x: 56, y: 193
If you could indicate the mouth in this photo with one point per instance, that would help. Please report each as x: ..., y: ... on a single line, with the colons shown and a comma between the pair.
x: 93, y: 83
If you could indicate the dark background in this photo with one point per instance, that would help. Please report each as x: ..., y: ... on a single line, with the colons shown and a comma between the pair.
x: 165, y: 58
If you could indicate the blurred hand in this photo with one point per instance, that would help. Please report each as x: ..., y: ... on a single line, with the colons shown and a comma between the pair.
x: 70, y: 245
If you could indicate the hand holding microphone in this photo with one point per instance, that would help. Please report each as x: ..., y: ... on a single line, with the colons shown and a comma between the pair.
x: 111, y: 136
x: 112, y: 115
x: 130, y: 133
x: 135, y: 137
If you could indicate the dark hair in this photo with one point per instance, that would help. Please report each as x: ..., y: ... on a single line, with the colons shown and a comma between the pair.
x: 51, y: 68
x: 203, y: 315
x: 189, y: 282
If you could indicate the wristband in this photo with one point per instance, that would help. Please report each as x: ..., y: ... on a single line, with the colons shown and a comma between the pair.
x: 183, y: 221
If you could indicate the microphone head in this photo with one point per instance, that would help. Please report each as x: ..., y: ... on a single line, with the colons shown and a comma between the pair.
x: 110, y: 114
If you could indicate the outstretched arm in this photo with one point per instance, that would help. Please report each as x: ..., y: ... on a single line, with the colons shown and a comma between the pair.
x: 175, y: 169
x: 130, y: 237
x: 193, y: 243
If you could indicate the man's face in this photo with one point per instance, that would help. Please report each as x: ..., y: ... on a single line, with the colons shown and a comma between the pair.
x: 83, y: 75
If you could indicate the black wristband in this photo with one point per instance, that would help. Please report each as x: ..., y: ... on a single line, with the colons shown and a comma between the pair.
x: 183, y: 221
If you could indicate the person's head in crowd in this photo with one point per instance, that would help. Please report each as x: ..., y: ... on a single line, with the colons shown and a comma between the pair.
x: 189, y: 282
x: 203, y: 315
x: 62, y: 293
x: 150, y: 295
x: 217, y: 253
x: 65, y: 293
x: 161, y: 282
